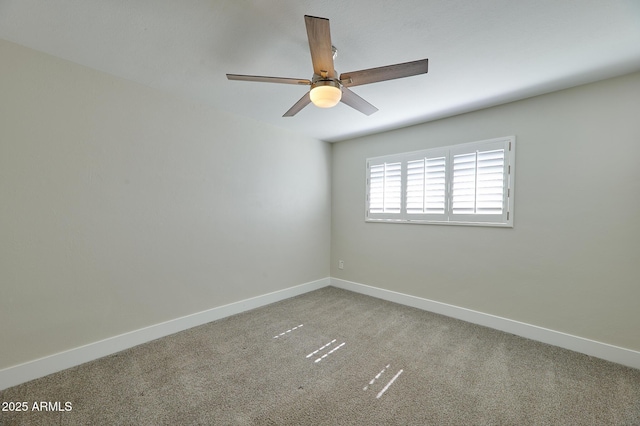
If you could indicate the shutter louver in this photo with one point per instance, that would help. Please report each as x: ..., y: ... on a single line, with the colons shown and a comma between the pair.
x: 478, y: 182
x: 376, y: 189
x: 426, y: 186
x: 490, y: 182
x: 435, y: 187
x: 392, y: 187
x: 464, y: 184
x: 385, y: 188
x: 415, y: 186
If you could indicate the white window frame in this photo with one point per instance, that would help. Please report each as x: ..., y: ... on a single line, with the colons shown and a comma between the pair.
x: 446, y: 216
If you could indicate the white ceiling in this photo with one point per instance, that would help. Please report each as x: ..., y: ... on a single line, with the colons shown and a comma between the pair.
x: 481, y: 52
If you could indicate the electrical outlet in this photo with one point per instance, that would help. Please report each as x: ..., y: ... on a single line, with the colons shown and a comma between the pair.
x: 340, y: 264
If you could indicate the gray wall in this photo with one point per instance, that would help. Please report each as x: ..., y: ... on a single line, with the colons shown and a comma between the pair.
x: 122, y: 207
x: 572, y: 261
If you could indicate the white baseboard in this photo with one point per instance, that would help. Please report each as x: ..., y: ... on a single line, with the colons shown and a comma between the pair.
x: 41, y: 367
x: 593, y: 348
x: 21, y: 373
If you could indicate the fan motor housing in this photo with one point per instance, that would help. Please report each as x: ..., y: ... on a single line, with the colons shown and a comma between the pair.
x: 324, y: 82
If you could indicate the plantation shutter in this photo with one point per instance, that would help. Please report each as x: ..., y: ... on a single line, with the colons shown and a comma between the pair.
x: 479, y: 182
x: 426, y: 187
x: 376, y: 189
x: 416, y: 174
x: 384, y: 189
x: 490, y: 182
x: 463, y: 195
x: 435, y: 187
x: 466, y: 184
x: 392, y: 187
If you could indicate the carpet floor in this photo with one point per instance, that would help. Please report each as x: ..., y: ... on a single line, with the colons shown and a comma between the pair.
x: 333, y: 357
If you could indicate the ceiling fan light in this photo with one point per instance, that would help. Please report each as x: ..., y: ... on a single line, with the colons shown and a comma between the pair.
x: 325, y: 96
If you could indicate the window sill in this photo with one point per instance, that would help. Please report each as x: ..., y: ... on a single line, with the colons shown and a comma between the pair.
x: 436, y: 222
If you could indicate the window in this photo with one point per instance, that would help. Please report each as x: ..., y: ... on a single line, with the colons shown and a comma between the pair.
x: 467, y: 184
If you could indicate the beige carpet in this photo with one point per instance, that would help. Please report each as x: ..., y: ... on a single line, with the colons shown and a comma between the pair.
x: 339, y: 358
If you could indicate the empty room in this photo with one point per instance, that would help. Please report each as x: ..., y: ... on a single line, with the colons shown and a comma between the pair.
x: 289, y: 212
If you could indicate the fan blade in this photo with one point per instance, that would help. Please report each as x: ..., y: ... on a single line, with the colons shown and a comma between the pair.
x: 262, y: 79
x: 356, y: 102
x: 320, y: 45
x: 390, y: 72
x: 297, y: 107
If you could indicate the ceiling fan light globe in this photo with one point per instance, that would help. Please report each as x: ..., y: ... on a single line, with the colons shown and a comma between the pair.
x: 325, y: 96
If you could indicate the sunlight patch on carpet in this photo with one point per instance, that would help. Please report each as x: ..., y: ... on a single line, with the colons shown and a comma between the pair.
x: 372, y: 381
x: 321, y: 348
x: 288, y: 331
x: 389, y: 384
x: 330, y: 352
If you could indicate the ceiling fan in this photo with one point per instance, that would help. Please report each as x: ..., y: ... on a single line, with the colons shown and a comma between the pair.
x: 326, y: 89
